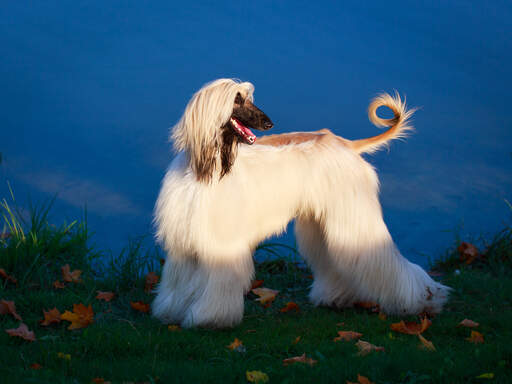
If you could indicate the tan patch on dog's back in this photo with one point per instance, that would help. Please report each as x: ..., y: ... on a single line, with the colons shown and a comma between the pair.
x: 292, y: 138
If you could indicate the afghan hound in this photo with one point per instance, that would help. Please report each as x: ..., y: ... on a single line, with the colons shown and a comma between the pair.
x: 226, y: 191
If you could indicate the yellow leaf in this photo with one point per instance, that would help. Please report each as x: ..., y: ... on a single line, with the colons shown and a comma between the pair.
x: 476, y: 337
x: 489, y: 375
x: 81, y: 316
x: 266, y: 295
x: 236, y: 345
x: 64, y: 356
x: 410, y: 327
x: 256, y: 377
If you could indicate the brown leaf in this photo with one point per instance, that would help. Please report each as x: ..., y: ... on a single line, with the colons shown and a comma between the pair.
x: 382, y: 316
x: 173, y: 328
x: 366, y: 347
x: 35, y: 366
x: 468, y: 323
x: 361, y: 380
x: 290, y: 306
x: 140, y: 306
x: 81, y: 316
x: 100, y: 380
x: 266, y: 295
x: 23, y: 332
x: 369, y: 305
x: 236, y: 345
x: 58, y: 285
x: 71, y: 277
x: 151, y: 280
x: 468, y: 252
x: 297, y: 339
x: 347, y: 336
x: 426, y: 344
x: 410, y: 327
x: 8, y: 307
x: 476, y: 337
x: 106, y: 296
x: 7, y: 277
x: 50, y: 317
x: 299, y: 359
x: 256, y: 284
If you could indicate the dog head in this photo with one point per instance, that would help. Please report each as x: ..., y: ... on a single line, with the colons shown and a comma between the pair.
x: 216, y: 120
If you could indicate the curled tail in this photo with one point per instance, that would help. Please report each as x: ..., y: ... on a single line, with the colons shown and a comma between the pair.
x: 399, y: 123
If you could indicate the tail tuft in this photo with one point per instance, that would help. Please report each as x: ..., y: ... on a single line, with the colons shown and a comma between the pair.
x: 399, y: 123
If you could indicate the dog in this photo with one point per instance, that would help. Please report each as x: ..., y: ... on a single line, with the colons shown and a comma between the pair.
x: 226, y: 191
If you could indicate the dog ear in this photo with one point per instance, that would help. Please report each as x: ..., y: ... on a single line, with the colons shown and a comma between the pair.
x: 239, y: 100
x: 204, y: 162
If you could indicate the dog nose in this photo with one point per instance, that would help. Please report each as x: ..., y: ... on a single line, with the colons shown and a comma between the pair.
x: 268, y: 125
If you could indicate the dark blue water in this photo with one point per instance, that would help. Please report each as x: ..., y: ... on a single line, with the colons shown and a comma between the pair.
x: 89, y: 90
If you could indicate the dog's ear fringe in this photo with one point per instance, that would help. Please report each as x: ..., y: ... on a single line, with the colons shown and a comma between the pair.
x: 197, y: 132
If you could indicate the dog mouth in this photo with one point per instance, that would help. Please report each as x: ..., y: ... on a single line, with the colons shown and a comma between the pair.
x: 244, y: 132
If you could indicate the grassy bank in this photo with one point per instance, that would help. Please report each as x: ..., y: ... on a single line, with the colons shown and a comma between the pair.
x: 126, y: 345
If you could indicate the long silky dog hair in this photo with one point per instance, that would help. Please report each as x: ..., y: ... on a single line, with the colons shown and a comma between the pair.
x: 226, y: 191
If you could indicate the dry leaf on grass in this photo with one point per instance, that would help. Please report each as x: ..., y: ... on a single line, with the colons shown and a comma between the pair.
x: 58, y: 285
x: 426, y: 344
x: 81, y: 316
x: 71, y: 277
x: 366, y: 347
x: 173, y: 328
x: 361, y: 380
x: 468, y: 253
x: 50, y: 317
x: 140, y: 306
x: 35, y: 366
x: 100, y: 380
x: 7, y: 277
x: 297, y: 339
x: 266, y: 295
x: 106, y: 296
x: 151, y: 280
x: 23, y: 332
x: 8, y: 307
x: 256, y: 284
x: 299, y: 359
x: 410, y: 327
x: 468, y: 323
x: 476, y: 337
x: 347, y: 336
x: 236, y: 346
x: 256, y: 377
x: 290, y: 306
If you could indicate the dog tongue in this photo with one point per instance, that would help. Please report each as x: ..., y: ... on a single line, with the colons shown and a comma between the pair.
x: 243, y: 131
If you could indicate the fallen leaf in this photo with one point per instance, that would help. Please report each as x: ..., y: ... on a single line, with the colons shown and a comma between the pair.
x: 382, y: 316
x: 361, y: 380
x: 35, y: 366
x: 256, y: 377
x: 290, y: 306
x: 81, y: 316
x: 64, y: 356
x: 100, y: 380
x: 151, y: 280
x: 410, y: 327
x: 366, y: 347
x: 299, y: 359
x: 23, y: 332
x: 106, y: 296
x: 426, y: 344
x: 58, y: 285
x: 369, y: 305
x: 8, y: 307
x: 468, y: 253
x: 140, y: 306
x: 468, y: 323
x: 347, y: 336
x: 50, y: 317
x: 266, y: 295
x: 256, y: 284
x: 297, y: 339
x: 7, y: 277
x: 71, y: 277
x: 488, y: 375
x: 236, y: 345
x: 476, y: 337
x: 173, y: 328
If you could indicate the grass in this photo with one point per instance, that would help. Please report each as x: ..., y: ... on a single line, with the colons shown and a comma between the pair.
x: 127, y: 346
